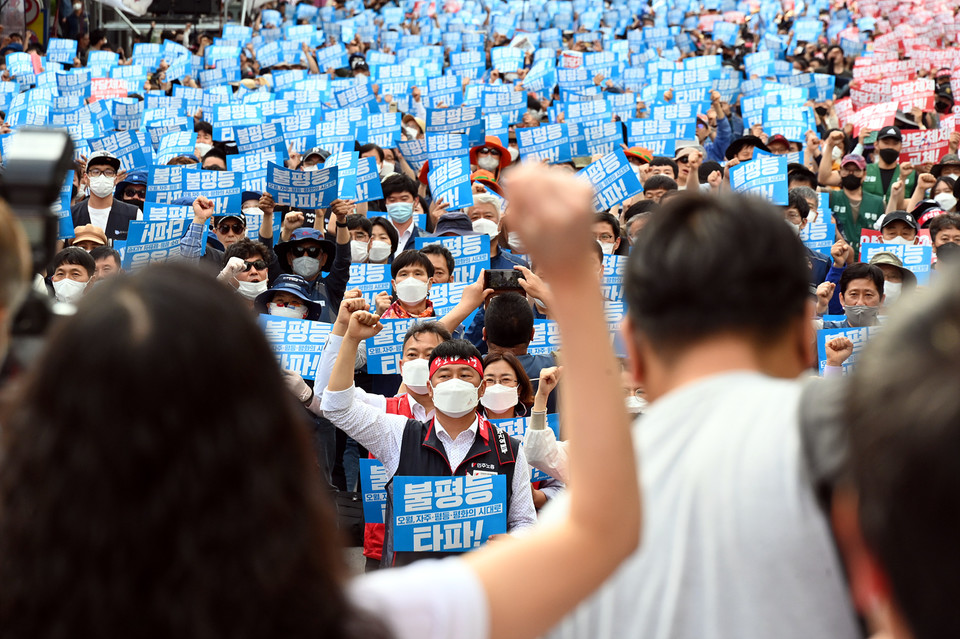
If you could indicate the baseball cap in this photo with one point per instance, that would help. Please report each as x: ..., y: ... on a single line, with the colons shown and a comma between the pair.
x: 778, y: 138
x: 853, y: 158
x: 103, y: 157
x: 322, y: 153
x: 903, y: 216
x: 454, y: 224
x: 890, y: 132
x: 239, y: 216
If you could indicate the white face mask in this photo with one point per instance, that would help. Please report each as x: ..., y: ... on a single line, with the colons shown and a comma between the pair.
x: 635, y: 404
x: 293, y: 312
x: 411, y: 290
x: 899, y: 240
x: 387, y: 168
x: 515, y: 243
x: 69, y: 291
x: 314, y: 167
x: 793, y: 227
x: 101, y: 186
x: 306, y: 266
x: 202, y: 149
x: 411, y: 132
x: 488, y: 163
x: 487, y: 227
x: 253, y: 211
x: 455, y: 397
x: 946, y: 201
x: 250, y: 290
x: 358, y: 251
x: 416, y: 375
x: 607, y: 247
x: 514, y: 153
x: 379, y: 251
x: 891, y: 292
x: 499, y: 398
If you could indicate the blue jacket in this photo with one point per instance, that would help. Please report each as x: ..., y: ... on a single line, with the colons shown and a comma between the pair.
x: 716, y: 149
x: 819, y: 266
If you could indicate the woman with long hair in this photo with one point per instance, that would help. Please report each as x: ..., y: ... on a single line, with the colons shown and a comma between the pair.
x: 157, y: 478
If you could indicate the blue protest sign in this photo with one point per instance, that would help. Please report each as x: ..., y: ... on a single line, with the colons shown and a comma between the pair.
x: 368, y: 185
x: 613, y: 180
x: 346, y: 165
x: 471, y: 254
x: 614, y: 267
x: 302, y: 189
x: 373, y: 482
x: 450, y: 180
x: 442, y: 146
x: 62, y: 50
x: 260, y: 137
x: 546, y: 338
x: 465, y: 119
x: 176, y: 143
x: 517, y: 428
x: 414, y: 151
x: 152, y: 242
x: 766, y: 177
x: 383, y: 129
x: 819, y: 236
x: 253, y: 168
x: 549, y: 142
x: 338, y: 135
x: 154, y: 212
x: 603, y: 137
x: 297, y: 344
x: 858, y: 336
x: 659, y: 136
x: 916, y: 258
x: 384, y: 350
x: 126, y: 146
x: 168, y: 183
x: 447, y: 514
x: 370, y: 279
x: 61, y: 207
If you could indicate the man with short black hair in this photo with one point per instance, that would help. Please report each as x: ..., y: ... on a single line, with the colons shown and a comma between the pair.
x: 657, y: 186
x: 442, y: 260
x: 606, y: 230
x: 861, y: 295
x: 245, y: 268
x: 71, y: 272
x: 412, y: 274
x: 726, y: 488
x: 107, y: 261
x: 400, y: 195
x: 945, y: 229
x: 214, y: 160
x: 102, y: 209
x: 796, y: 214
x: 508, y: 328
x: 662, y: 165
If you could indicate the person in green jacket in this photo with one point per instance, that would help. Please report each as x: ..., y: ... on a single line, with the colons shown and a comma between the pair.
x: 881, y: 174
x: 853, y: 208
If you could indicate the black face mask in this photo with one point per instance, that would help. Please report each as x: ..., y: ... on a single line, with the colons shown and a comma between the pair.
x: 889, y: 155
x: 942, y: 107
x: 851, y: 182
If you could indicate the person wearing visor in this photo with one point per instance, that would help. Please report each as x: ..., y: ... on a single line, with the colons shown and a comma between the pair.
x: 898, y: 227
x: 490, y: 156
x: 288, y: 297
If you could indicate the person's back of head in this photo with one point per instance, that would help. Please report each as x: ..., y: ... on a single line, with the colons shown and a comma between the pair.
x: 14, y: 270
x: 508, y: 321
x: 903, y: 411
x: 711, y: 266
x: 207, y: 504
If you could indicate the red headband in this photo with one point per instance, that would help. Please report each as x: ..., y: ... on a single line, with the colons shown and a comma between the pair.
x: 472, y: 362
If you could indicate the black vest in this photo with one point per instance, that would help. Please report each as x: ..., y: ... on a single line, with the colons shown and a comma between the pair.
x: 422, y: 454
x: 121, y: 214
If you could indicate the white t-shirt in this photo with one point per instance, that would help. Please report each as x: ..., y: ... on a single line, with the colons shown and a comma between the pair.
x: 431, y: 599
x: 98, y: 217
x: 734, y: 544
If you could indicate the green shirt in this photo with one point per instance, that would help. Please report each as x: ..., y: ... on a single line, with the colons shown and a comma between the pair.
x: 871, y: 208
x: 873, y: 185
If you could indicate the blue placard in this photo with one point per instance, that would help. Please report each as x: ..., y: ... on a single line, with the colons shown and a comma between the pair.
x: 152, y: 242
x: 414, y: 151
x: 167, y: 183
x: 450, y: 180
x: 370, y: 279
x: 765, y: 177
x: 443, y: 146
x: 858, y: 336
x: 383, y: 129
x: 126, y: 146
x: 302, y: 189
x: 61, y: 207
x: 338, y: 135
x: 613, y: 180
x: 548, y: 142
x: 154, y: 212
x: 62, y: 50
x: 346, y: 165
x: 253, y: 168
x: 471, y: 253
x: 603, y: 137
x: 176, y: 143
x: 260, y: 137
x: 659, y: 136
x: 373, y: 482
x: 465, y: 119
x: 297, y: 344
x: 517, y: 428
x: 384, y: 350
x: 447, y: 514
x: 369, y: 187
x: 819, y: 236
x: 916, y: 258
x: 546, y: 338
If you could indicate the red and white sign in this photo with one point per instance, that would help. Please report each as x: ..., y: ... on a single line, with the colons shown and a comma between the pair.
x: 102, y: 88
x: 917, y: 93
x: 874, y: 117
x: 924, y: 147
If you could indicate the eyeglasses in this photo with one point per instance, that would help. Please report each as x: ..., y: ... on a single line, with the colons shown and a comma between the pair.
x: 256, y: 264
x: 98, y: 172
x: 683, y: 159
x: 140, y: 193
x: 488, y: 151
x: 606, y: 237
x: 230, y: 227
x: 312, y: 251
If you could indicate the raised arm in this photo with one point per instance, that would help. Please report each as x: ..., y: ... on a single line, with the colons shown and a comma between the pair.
x: 553, y: 211
x: 827, y: 176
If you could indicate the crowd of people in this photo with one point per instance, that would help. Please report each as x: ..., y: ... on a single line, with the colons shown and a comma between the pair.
x: 433, y: 260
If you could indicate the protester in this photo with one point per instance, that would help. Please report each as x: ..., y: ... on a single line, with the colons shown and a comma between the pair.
x: 71, y: 272
x: 853, y: 207
x: 88, y: 237
x: 102, y: 209
x: 108, y: 263
x: 443, y: 262
x: 412, y: 274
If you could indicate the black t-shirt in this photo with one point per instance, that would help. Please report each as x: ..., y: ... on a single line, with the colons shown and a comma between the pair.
x: 886, y: 177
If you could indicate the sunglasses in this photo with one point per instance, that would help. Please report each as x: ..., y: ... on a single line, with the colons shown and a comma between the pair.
x: 487, y: 150
x: 683, y: 159
x: 257, y: 264
x: 230, y: 227
x: 312, y: 251
x: 141, y: 193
